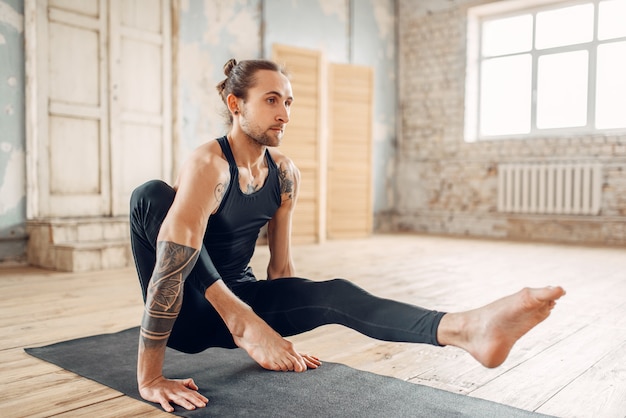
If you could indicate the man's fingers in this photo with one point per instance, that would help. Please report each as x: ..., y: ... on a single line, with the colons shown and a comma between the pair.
x: 190, y: 384
x: 191, y: 395
x: 196, y: 399
x: 180, y: 392
x: 166, y: 405
x: 189, y: 402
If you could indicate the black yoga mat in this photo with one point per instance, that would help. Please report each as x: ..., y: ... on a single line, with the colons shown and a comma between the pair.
x: 237, y: 386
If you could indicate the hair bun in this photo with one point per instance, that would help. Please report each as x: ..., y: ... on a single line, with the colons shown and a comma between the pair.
x: 228, y: 67
x: 221, y: 86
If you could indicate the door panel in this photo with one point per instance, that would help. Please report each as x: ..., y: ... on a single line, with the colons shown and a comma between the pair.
x: 72, y: 172
x: 70, y: 133
x: 85, y: 7
x: 140, y: 105
x: 70, y: 46
x: 350, y: 207
x: 335, y: 198
x: 144, y: 15
x: 302, y: 141
x: 141, y: 77
x: 140, y: 159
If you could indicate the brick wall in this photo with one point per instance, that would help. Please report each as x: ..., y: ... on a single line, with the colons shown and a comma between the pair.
x: 445, y: 185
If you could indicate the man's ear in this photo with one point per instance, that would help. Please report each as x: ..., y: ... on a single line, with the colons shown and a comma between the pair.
x: 233, y: 104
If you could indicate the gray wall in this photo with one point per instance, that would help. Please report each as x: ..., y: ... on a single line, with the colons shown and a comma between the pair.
x: 12, y: 136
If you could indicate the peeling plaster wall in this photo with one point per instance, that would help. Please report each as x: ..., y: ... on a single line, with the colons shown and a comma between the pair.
x: 374, y: 44
x: 12, y: 132
x: 319, y: 24
x: 211, y: 32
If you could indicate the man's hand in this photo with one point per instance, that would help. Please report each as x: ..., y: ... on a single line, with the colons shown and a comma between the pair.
x: 181, y: 392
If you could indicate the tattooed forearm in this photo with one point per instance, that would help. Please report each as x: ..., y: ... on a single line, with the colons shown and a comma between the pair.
x: 165, y: 292
x: 286, y: 183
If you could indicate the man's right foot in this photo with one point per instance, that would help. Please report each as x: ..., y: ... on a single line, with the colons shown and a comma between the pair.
x: 489, y: 333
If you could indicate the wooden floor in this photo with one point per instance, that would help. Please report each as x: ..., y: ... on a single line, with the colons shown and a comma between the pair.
x: 572, y: 365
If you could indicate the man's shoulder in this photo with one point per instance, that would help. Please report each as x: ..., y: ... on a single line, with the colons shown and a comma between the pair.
x: 209, y: 159
x: 288, y: 173
x: 279, y: 158
x: 209, y: 153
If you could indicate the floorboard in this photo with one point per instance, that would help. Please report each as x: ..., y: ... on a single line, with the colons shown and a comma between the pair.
x: 572, y: 365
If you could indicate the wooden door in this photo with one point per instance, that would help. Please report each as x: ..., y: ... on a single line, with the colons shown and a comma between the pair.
x: 140, y: 96
x: 68, y: 114
x: 329, y: 138
x: 98, y: 103
x: 350, y: 203
x: 303, y: 141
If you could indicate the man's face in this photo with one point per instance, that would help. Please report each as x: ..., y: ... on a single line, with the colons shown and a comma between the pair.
x: 265, y: 113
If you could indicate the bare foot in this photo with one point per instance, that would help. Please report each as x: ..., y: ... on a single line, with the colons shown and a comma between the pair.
x: 488, y: 333
x: 261, y: 342
x: 270, y: 349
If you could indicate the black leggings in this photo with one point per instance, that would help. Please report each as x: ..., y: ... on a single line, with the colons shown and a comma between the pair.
x: 289, y: 305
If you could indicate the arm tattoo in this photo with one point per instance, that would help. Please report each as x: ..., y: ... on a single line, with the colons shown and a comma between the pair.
x: 165, y: 292
x: 219, y: 192
x: 286, y: 184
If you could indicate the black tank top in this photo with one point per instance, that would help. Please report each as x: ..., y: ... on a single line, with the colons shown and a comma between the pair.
x: 233, y: 230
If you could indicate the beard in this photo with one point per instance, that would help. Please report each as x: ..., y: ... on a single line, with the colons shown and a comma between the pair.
x: 266, y: 137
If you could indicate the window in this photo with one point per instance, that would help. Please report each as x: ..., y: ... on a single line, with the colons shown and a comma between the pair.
x: 555, y: 67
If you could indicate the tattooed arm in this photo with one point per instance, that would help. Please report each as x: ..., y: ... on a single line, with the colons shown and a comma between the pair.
x: 163, y: 302
x: 279, y: 227
x: 198, y: 194
x: 165, y: 293
x: 200, y: 189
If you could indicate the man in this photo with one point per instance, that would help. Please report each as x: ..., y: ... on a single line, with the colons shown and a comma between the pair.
x: 196, y: 239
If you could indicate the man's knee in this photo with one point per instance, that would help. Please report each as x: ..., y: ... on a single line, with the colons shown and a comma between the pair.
x: 149, y: 204
x: 341, y: 284
x: 344, y: 291
x: 153, y: 191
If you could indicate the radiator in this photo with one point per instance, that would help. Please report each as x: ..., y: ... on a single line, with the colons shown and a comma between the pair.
x: 551, y: 188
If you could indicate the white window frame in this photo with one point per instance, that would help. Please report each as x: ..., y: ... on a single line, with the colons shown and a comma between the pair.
x: 503, y: 9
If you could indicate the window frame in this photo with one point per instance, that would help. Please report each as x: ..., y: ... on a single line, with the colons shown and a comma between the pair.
x: 476, y: 16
